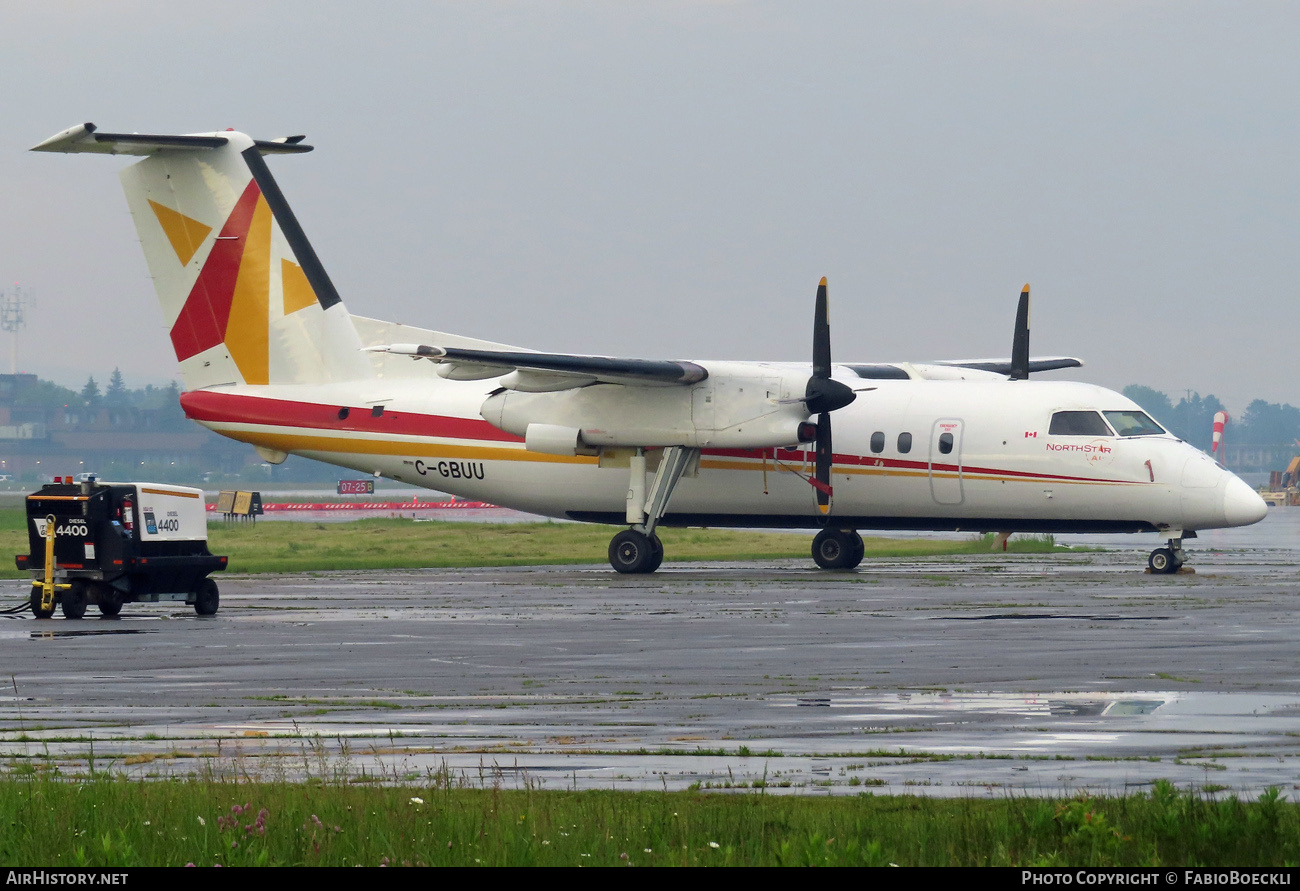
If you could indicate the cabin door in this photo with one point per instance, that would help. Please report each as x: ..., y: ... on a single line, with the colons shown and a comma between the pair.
x: 945, y: 461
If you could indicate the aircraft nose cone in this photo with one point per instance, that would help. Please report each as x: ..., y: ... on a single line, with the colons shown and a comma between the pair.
x: 1242, y: 504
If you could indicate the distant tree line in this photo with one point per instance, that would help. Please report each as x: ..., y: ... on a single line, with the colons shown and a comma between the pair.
x: 122, y: 403
x: 118, y: 396
x: 151, y: 409
x: 1263, y: 424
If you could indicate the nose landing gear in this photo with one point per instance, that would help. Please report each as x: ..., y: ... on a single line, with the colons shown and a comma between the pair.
x: 1168, y: 560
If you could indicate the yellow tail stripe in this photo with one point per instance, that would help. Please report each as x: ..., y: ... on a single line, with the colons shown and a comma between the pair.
x: 247, y: 333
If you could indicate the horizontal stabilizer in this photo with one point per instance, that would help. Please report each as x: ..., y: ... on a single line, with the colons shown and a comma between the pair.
x: 479, y: 364
x: 87, y: 138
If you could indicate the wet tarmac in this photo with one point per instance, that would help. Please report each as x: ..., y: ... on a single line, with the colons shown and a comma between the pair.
x: 982, y: 676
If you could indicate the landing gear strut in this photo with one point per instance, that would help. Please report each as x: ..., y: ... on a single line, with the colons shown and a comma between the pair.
x: 1168, y: 560
x: 638, y: 550
x: 838, y: 549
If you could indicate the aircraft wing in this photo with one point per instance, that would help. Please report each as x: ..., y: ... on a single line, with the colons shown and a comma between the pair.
x: 1003, y: 366
x: 545, y: 372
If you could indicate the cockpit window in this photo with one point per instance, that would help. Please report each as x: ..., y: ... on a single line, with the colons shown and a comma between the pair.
x: 1134, y: 423
x: 1078, y: 423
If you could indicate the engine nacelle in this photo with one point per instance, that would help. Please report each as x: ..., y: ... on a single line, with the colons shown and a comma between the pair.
x: 752, y: 409
x: 551, y: 439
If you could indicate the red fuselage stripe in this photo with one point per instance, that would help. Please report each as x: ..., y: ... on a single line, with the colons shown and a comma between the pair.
x: 229, y: 408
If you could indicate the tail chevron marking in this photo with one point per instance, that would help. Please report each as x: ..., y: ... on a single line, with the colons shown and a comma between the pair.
x: 312, y: 269
x: 297, y: 290
x: 247, y: 332
x: 235, y: 276
x: 185, y: 234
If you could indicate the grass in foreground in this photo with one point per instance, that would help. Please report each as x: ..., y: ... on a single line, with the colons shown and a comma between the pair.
x: 119, y: 822
x: 404, y: 544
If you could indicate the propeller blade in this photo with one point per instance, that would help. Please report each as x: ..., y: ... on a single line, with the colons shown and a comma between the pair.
x: 822, y: 334
x: 822, y: 479
x: 823, y: 394
x: 1020, y: 341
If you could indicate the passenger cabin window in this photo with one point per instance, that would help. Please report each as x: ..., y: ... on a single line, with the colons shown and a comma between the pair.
x: 877, y: 442
x: 945, y: 443
x: 904, y: 443
x: 1078, y: 423
x: 1134, y: 423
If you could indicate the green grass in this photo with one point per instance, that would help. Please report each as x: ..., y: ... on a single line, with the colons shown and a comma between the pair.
x: 403, y: 544
x: 111, y: 821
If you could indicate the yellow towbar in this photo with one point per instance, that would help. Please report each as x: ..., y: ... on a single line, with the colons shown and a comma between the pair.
x: 48, y: 586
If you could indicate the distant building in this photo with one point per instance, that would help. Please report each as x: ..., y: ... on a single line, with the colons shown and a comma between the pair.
x: 1246, y: 457
x: 43, y: 435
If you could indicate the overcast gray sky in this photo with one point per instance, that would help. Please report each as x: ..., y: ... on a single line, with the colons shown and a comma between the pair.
x: 671, y: 179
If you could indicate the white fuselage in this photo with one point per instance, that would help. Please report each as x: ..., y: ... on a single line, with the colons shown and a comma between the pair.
x: 1004, y: 471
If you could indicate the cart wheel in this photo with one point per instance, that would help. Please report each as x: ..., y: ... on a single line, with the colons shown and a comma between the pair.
x: 206, y: 598
x: 74, y: 600
x: 36, y: 604
x: 109, y: 600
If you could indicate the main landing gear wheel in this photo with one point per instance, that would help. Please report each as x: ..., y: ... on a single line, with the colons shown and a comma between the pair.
x: 659, y: 553
x: 109, y: 600
x: 838, y: 549
x: 36, y: 604
x: 206, y: 598
x: 859, y: 549
x: 74, y: 600
x: 1165, y: 560
x: 635, y: 553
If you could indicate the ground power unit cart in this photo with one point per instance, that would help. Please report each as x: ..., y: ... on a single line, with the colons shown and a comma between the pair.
x: 116, y: 543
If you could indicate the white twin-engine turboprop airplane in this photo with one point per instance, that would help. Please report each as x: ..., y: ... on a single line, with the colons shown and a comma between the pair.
x: 270, y: 356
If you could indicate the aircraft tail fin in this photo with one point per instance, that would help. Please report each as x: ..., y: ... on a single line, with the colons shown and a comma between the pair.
x: 244, y: 296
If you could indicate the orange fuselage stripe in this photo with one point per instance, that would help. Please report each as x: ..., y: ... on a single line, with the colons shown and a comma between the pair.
x: 292, y: 442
